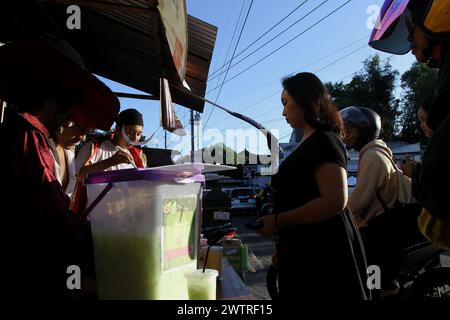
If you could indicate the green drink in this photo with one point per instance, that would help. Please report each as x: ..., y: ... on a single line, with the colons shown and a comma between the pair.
x: 202, y: 285
x: 127, y: 266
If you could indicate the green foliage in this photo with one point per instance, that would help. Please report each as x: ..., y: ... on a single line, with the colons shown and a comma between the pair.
x: 374, y: 87
x: 418, y: 84
x: 228, y: 157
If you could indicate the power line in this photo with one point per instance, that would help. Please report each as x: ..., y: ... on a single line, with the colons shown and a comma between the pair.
x: 232, y: 37
x: 264, y: 122
x: 186, y: 112
x: 271, y: 53
x: 234, y: 52
x: 228, y: 51
x: 161, y: 135
x: 277, y: 91
x: 260, y: 37
x: 184, y: 117
x: 282, y: 46
x: 348, y: 76
x: 354, y: 73
x: 224, y: 36
x: 321, y: 69
x: 299, y: 69
x: 272, y: 109
x: 249, y: 106
x: 273, y: 38
x: 349, y: 54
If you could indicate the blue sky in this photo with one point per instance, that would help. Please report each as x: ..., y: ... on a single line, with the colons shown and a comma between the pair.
x: 256, y: 92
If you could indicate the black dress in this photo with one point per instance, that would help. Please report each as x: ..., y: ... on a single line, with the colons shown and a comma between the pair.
x: 320, y: 260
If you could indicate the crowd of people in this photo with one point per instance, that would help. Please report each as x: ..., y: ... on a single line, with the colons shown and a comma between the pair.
x: 311, y: 219
x: 43, y: 199
x: 50, y: 110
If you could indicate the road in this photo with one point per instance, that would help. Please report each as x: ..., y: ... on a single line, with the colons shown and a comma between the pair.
x: 259, y: 258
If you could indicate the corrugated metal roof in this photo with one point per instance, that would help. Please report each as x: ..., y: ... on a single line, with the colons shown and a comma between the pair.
x: 120, y: 44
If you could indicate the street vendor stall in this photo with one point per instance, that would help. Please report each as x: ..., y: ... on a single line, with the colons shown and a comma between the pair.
x: 132, y: 43
x: 145, y: 226
x: 124, y: 41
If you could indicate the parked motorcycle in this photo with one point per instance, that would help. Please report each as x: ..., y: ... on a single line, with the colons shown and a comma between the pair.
x: 423, y: 275
x: 216, y: 234
x: 424, y: 272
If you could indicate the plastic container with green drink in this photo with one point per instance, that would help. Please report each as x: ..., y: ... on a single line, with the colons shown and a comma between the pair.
x: 202, y: 284
x: 145, y: 229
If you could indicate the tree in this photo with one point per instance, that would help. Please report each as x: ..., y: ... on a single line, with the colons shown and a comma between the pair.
x: 374, y: 88
x: 212, y: 154
x: 418, y: 84
x: 228, y: 157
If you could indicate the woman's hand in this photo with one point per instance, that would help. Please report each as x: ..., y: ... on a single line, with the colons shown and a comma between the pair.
x: 269, y: 228
x: 407, y: 167
x: 120, y: 157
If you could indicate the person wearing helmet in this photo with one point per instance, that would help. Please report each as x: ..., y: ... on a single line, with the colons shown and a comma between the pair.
x: 419, y: 26
x: 423, y: 26
x: 362, y: 128
x: 376, y: 189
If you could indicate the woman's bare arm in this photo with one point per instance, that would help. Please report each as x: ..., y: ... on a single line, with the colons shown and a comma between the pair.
x: 332, y: 182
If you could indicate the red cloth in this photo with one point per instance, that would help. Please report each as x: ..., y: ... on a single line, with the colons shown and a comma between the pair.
x: 136, y: 154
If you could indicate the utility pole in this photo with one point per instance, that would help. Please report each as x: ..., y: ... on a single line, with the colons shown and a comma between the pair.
x: 192, y: 136
x: 165, y: 139
x: 197, y: 124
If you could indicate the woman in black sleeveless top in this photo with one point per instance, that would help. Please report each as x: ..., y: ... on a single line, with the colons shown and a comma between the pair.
x: 319, y: 252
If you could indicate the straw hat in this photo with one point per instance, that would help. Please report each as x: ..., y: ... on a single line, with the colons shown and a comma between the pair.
x: 28, y: 66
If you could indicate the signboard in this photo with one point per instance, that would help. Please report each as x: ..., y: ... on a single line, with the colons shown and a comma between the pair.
x: 174, y: 18
x: 178, y: 235
x: 237, y: 254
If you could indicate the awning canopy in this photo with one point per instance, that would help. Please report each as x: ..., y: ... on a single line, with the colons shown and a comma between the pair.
x: 120, y: 40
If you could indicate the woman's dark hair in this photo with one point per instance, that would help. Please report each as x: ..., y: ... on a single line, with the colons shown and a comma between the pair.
x: 310, y: 94
x: 426, y: 104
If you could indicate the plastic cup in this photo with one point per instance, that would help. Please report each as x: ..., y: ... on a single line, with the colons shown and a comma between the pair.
x: 202, y: 285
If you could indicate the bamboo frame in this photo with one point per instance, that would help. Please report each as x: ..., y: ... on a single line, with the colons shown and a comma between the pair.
x: 136, y: 96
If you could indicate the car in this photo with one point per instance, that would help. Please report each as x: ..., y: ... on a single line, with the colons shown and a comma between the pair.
x: 243, y: 199
x: 227, y: 190
x: 351, y: 183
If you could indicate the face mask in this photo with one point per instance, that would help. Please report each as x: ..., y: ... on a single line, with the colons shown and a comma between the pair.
x: 127, y: 140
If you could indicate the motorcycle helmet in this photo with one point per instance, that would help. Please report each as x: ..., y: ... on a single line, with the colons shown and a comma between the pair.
x: 367, y: 121
x: 393, y: 30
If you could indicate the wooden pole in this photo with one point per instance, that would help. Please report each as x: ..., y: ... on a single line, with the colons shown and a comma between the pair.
x: 136, y: 96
